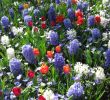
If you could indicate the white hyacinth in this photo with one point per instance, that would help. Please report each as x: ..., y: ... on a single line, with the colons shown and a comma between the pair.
x: 10, y: 53
x: 49, y: 95
x: 104, y: 21
x: 16, y: 30
x: 105, y: 2
x: 81, y: 68
x: 5, y: 40
x: 99, y: 74
x: 109, y: 44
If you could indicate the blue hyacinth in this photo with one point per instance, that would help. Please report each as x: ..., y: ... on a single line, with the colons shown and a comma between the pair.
x: 107, y: 61
x: 54, y: 38
x: 57, y: 1
x: 76, y: 90
x: 15, y: 66
x: 25, y: 12
x: 11, y: 12
x: 5, y: 21
x: 91, y: 21
x: 36, y: 12
x: 20, y: 8
x: 28, y: 54
x: 79, y: 5
x: 71, y: 14
x: 73, y: 47
x: 85, y: 5
x: 67, y: 23
x: 69, y: 3
x: 27, y: 19
x: 95, y: 33
x: 51, y: 14
x: 59, y: 61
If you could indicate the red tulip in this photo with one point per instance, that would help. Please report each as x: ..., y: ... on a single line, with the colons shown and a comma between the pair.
x: 41, y: 98
x: 36, y: 51
x: 31, y: 74
x: 30, y: 23
x: 16, y: 91
x: 44, y: 69
x: 43, y: 25
x: 80, y: 21
x: 79, y: 13
x: 97, y: 19
x: 66, y: 69
x: 49, y: 54
x: 58, y: 49
x: 43, y: 18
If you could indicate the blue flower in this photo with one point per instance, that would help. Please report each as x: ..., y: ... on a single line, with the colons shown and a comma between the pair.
x: 84, y: 5
x: 107, y: 61
x: 25, y: 12
x: 28, y: 54
x: 76, y: 89
x: 15, y: 66
x: 95, y: 33
x: 59, y: 61
x: 27, y: 18
x: 91, y: 21
x: 71, y: 14
x: 51, y: 14
x: 73, y: 46
x: 67, y: 23
x: 79, y: 5
x: 69, y: 3
x: 11, y: 12
x: 20, y: 8
x: 5, y: 21
x: 54, y: 38
x: 57, y: 1
x: 36, y: 12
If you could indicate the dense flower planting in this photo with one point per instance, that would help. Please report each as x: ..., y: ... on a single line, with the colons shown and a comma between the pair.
x: 54, y: 49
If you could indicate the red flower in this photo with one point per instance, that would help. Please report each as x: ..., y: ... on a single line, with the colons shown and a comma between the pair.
x: 30, y: 23
x: 1, y: 93
x: 59, y: 18
x: 43, y: 25
x: 97, y: 19
x: 66, y: 69
x: 80, y: 21
x: 58, y: 49
x: 41, y: 98
x: 44, y: 69
x: 16, y: 91
x: 36, y: 51
x: 74, y: 1
x: 43, y: 18
x: 78, y: 13
x: 31, y: 74
x: 35, y: 29
x: 49, y: 54
x: 52, y: 23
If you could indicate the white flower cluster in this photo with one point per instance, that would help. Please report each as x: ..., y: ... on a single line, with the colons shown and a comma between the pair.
x: 10, y: 53
x: 16, y: 30
x: 81, y: 68
x: 99, y: 73
x: 5, y: 40
x: 49, y: 95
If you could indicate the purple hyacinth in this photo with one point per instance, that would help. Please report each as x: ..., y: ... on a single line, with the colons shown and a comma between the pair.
x: 91, y: 21
x: 27, y: 19
x: 67, y: 23
x: 84, y: 5
x: 15, y: 66
x: 51, y: 14
x: 25, y: 12
x: 59, y: 61
x: 28, y: 54
x: 20, y: 8
x: 79, y: 5
x: 57, y: 1
x: 69, y: 3
x: 71, y: 14
x: 76, y: 90
x: 73, y: 46
x: 107, y: 61
x: 5, y: 21
x: 11, y: 12
x: 54, y: 38
x: 95, y: 33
